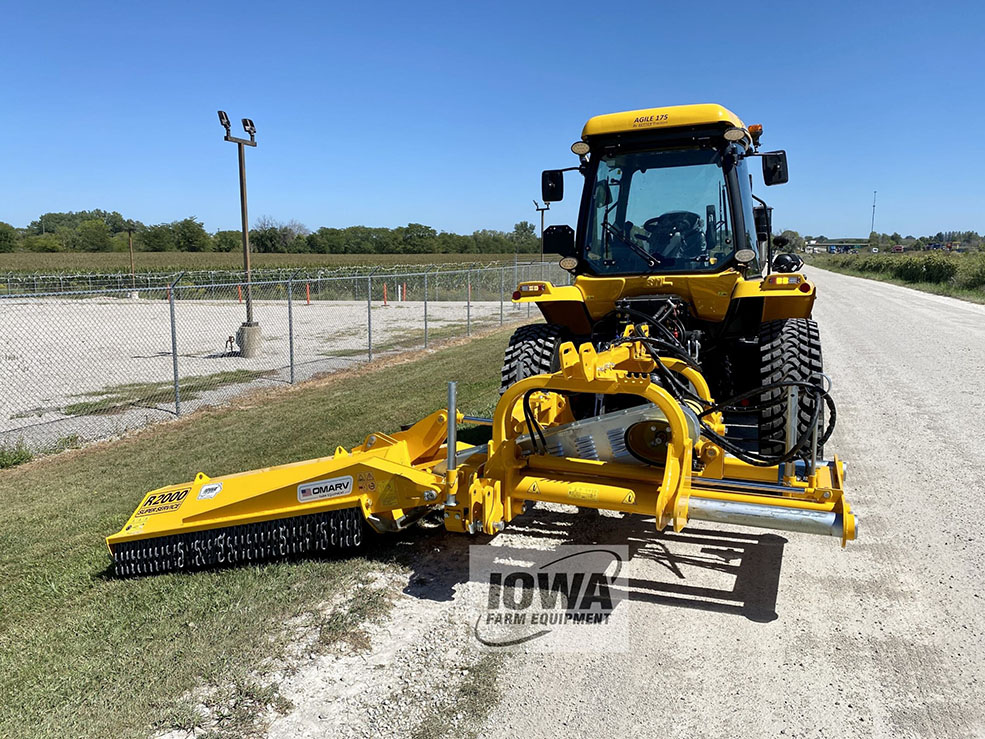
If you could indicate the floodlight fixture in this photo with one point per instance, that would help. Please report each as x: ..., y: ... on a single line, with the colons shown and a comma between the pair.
x: 224, y: 120
x: 249, y: 127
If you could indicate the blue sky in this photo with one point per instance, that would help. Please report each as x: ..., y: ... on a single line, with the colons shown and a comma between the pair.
x: 445, y: 113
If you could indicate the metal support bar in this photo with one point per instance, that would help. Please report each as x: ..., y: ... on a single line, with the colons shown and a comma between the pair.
x: 825, y: 523
x: 452, y: 438
x: 369, y: 317
x: 452, y: 423
x: 425, y: 310
x: 290, y: 324
x: 174, y: 352
x: 246, y: 233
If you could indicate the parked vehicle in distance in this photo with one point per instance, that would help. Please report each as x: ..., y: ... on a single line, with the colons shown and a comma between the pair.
x: 898, y: 249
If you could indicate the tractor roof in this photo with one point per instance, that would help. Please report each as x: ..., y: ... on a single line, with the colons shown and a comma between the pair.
x: 673, y: 116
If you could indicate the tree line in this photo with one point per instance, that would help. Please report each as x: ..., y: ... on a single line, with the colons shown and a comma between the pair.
x: 966, y: 239
x: 101, y: 231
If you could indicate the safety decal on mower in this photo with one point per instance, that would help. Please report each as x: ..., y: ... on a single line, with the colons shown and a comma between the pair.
x: 165, y: 502
x: 319, y: 489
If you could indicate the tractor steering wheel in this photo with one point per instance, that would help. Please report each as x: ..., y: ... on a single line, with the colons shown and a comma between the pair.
x: 682, y: 223
x: 676, y: 221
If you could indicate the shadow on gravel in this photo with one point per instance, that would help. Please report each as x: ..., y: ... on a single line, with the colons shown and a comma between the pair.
x: 717, y: 571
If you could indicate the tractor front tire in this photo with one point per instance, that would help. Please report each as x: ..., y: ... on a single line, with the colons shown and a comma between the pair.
x: 789, y: 350
x: 533, y: 350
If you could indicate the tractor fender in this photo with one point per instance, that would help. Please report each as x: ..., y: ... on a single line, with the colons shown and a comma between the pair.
x: 562, y: 305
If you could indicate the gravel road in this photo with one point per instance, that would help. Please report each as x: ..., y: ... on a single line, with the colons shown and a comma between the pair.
x: 737, y: 632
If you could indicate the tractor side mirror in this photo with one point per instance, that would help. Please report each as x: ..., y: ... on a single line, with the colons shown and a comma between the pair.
x: 775, y: 167
x: 559, y: 240
x: 552, y: 185
x: 780, y: 241
x: 762, y: 215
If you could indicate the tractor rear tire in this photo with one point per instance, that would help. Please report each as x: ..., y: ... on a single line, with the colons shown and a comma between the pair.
x: 789, y: 349
x: 533, y: 350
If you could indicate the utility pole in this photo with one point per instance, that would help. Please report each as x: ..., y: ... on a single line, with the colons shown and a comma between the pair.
x: 248, y: 336
x: 872, y: 228
x: 539, y: 209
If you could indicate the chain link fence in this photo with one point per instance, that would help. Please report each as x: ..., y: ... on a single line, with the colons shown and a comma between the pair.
x: 82, y: 365
x: 21, y: 283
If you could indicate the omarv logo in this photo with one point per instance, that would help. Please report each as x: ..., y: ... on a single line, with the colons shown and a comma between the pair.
x: 569, y: 599
x: 320, y: 489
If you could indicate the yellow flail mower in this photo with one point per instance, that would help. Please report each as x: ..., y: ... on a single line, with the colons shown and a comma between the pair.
x: 672, y: 378
x: 666, y: 456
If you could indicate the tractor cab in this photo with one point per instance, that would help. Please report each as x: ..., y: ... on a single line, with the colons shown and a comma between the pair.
x: 666, y: 190
x: 670, y: 237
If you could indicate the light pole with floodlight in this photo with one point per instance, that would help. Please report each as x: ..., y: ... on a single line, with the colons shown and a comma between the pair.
x: 249, y: 333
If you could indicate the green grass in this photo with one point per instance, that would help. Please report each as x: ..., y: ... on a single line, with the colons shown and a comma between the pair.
x: 176, y: 261
x: 119, y: 398
x: 84, y: 654
x: 116, y: 399
x: 414, y: 338
x: 14, y: 455
x: 949, y: 289
x: 20, y: 453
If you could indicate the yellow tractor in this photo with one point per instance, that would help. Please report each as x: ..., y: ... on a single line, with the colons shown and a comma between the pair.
x: 672, y: 380
x: 669, y: 235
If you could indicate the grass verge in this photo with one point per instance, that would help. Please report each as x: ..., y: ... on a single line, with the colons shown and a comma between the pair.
x: 111, y: 400
x: 972, y: 295
x: 83, y: 654
x: 119, y: 398
x: 14, y: 455
x: 414, y: 338
x: 20, y: 453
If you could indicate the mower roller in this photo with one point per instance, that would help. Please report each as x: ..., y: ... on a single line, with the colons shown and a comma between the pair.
x: 671, y: 379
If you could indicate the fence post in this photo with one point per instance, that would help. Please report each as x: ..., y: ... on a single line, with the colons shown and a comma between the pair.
x: 526, y: 276
x: 290, y: 323
x: 516, y: 277
x: 369, y: 316
x: 174, y: 351
x: 425, y: 309
x: 502, y: 293
x: 468, y: 303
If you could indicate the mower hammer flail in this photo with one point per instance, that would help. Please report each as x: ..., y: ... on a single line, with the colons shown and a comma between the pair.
x: 656, y: 458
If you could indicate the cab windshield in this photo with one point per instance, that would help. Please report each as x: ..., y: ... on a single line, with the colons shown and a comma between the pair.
x: 659, y: 211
